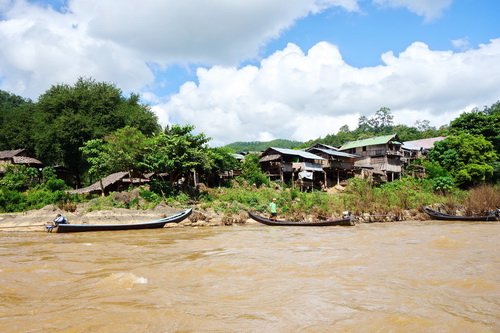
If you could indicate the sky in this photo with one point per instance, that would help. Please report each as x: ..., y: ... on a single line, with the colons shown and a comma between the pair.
x: 258, y: 70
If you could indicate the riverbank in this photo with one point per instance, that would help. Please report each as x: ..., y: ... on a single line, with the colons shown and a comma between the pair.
x: 34, y: 220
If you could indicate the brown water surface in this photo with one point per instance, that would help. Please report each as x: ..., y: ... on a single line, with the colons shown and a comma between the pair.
x: 391, y: 277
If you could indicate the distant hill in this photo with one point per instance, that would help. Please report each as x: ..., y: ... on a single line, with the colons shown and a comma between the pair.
x: 260, y: 145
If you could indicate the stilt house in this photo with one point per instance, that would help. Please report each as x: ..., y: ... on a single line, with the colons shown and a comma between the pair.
x: 338, y: 166
x: 302, y: 168
x: 381, y: 153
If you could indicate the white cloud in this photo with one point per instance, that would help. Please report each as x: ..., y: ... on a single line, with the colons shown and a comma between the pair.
x: 461, y: 44
x: 430, y: 9
x: 291, y: 94
x: 304, y: 96
x: 114, y: 40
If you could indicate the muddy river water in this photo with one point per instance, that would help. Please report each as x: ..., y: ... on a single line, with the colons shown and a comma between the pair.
x: 380, y: 277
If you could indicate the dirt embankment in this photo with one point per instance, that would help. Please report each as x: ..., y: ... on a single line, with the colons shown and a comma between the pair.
x: 34, y: 220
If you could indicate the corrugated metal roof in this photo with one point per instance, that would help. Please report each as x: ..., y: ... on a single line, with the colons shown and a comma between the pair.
x: 319, y: 145
x: 336, y: 153
x: 424, y: 143
x: 379, y: 140
x: 300, y: 153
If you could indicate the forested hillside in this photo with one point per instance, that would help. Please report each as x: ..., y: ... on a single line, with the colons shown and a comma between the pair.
x: 262, y: 145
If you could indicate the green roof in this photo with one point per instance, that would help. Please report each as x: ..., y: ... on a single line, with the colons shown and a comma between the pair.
x: 379, y: 140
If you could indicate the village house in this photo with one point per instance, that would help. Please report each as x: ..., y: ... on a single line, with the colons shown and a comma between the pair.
x: 416, y: 149
x: 18, y: 157
x: 303, y: 169
x: 379, y: 156
x: 413, y: 150
x: 338, y: 166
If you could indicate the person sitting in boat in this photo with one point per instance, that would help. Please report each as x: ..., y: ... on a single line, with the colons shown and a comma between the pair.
x: 60, y: 219
x: 272, y: 210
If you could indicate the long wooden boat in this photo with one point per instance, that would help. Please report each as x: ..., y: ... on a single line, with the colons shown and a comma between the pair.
x: 448, y: 217
x: 264, y: 220
x: 133, y: 226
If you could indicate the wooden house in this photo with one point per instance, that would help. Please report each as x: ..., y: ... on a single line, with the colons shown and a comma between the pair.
x: 381, y: 153
x: 302, y: 168
x: 417, y: 149
x: 338, y: 166
x: 413, y: 150
x: 18, y: 157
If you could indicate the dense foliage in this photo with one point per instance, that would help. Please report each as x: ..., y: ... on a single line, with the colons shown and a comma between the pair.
x: 92, y: 130
x: 65, y: 117
x: 256, y: 146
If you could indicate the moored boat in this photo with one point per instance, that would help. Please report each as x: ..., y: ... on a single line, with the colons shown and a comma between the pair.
x: 132, y: 226
x: 341, y: 222
x: 448, y: 217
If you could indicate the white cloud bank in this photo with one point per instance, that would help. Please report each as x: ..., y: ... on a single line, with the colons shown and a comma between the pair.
x: 304, y: 96
x: 289, y: 95
x: 117, y: 40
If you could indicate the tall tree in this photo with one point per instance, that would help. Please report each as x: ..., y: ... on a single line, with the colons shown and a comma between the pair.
x: 177, y: 152
x: 485, y: 123
x: 68, y: 116
x: 468, y: 157
x: 16, y: 117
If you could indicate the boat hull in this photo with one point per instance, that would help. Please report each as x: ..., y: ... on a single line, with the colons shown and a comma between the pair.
x: 63, y: 228
x: 448, y: 217
x: 339, y: 222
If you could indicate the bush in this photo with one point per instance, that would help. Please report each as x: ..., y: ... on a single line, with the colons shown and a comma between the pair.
x: 55, y: 185
x: 150, y: 196
x: 12, y: 201
x: 444, y: 184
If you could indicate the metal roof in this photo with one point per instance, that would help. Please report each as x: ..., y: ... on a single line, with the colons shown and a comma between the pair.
x: 379, y: 140
x: 424, y: 143
x: 335, y: 153
x: 294, y: 152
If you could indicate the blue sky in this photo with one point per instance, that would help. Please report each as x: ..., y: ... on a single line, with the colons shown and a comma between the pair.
x: 258, y: 69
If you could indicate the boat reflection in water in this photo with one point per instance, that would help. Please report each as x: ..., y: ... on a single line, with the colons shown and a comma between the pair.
x: 428, y: 276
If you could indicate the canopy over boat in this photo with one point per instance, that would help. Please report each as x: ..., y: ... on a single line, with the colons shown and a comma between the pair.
x: 104, y: 227
x: 264, y: 220
x: 448, y: 217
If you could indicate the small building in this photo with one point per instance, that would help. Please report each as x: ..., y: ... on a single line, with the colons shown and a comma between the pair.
x: 302, y: 168
x: 338, y: 166
x: 417, y: 149
x: 115, y: 182
x: 413, y: 150
x: 18, y: 157
x: 383, y: 153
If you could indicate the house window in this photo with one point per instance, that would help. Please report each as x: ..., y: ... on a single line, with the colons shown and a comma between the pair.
x: 364, y: 148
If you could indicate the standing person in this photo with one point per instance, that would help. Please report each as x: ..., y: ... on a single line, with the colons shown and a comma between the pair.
x: 60, y: 219
x: 272, y: 210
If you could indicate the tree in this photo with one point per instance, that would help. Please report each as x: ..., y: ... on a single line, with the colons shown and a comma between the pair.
x: 177, y: 152
x: 95, y: 154
x: 251, y: 170
x: 383, y: 119
x: 125, y: 150
x: 67, y: 116
x: 122, y: 150
x: 16, y: 118
x: 485, y: 123
x: 467, y: 157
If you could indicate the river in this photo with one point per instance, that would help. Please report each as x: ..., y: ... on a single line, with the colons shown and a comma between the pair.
x: 381, y: 277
